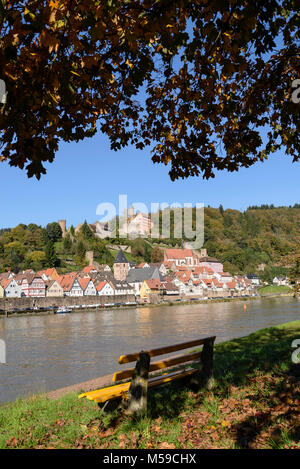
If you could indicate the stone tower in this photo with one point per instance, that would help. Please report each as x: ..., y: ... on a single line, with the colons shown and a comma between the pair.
x: 121, y: 266
x: 131, y: 211
x: 90, y: 257
x: 62, y: 224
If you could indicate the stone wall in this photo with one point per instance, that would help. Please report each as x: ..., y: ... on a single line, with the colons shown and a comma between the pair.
x: 8, y: 304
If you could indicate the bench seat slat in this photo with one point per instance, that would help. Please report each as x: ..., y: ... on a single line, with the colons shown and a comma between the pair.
x: 164, y: 350
x: 119, y: 375
x: 119, y: 390
x: 166, y: 378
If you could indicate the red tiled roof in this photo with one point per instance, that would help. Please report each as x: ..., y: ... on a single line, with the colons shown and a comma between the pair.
x: 217, y: 283
x: 88, y: 269
x: 207, y: 281
x: 83, y: 282
x: 179, y: 253
x: 101, y: 285
x: 47, y: 272
x: 5, y: 282
x: 171, y: 286
x: 168, y: 264
x: 231, y: 284
x: 183, y: 276
x: 203, y: 269
x: 153, y: 283
x: 66, y: 282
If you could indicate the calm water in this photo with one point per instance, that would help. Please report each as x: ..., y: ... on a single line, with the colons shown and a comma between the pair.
x: 49, y: 352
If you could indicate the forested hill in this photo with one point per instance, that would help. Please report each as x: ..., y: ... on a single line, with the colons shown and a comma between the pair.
x: 260, y: 237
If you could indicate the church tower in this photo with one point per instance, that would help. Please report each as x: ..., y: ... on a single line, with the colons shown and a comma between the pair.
x: 121, y: 266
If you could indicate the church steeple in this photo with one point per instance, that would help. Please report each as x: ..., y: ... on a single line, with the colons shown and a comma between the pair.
x: 121, y: 258
x: 121, y: 266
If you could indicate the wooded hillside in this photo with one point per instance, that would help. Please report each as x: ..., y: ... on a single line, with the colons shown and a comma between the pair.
x: 260, y: 237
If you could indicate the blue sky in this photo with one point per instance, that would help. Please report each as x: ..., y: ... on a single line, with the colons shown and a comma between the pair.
x: 88, y: 173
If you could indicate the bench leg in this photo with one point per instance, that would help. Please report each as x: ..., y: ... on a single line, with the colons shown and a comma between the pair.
x: 137, y: 393
x: 207, y: 360
x: 110, y: 406
x: 204, y: 378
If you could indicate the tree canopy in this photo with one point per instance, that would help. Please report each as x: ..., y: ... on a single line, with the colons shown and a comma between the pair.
x: 199, y: 81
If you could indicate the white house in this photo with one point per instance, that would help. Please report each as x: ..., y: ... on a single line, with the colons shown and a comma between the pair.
x: 105, y: 289
x: 11, y: 288
x: 88, y: 287
x: 281, y: 280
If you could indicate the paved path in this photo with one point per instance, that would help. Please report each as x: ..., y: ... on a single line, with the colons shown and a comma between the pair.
x: 86, y: 386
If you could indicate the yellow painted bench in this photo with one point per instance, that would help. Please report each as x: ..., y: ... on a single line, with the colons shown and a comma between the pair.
x: 134, y: 394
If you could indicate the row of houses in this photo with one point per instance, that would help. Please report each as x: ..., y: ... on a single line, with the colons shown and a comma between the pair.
x: 48, y: 283
x: 183, y: 272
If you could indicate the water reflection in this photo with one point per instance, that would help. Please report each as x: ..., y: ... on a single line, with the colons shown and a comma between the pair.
x: 48, y: 352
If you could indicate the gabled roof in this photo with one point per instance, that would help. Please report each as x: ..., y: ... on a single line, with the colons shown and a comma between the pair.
x: 102, y: 284
x: 88, y: 269
x: 208, y: 259
x: 179, y: 253
x: 5, y: 282
x: 231, y: 284
x: 83, y: 282
x: 139, y: 275
x: 153, y: 283
x: 207, y: 281
x: 121, y: 259
x: 28, y: 277
x: 170, y: 286
x: 66, y: 282
x: 169, y: 264
x: 217, y: 283
x: 183, y: 276
x: 47, y: 272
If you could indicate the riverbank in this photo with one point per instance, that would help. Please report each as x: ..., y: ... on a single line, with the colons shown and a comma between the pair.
x: 76, y: 306
x: 255, y: 404
x: 96, y: 307
x: 271, y: 290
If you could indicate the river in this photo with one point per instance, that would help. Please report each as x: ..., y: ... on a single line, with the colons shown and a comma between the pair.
x: 48, y: 352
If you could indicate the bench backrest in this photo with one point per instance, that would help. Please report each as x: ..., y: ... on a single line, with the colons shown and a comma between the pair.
x: 166, y: 363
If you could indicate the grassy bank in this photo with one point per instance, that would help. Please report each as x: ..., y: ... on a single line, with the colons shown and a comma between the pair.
x: 274, y: 290
x: 255, y: 404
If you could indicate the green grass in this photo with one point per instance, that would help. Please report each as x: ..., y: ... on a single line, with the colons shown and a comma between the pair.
x: 274, y: 289
x: 255, y: 404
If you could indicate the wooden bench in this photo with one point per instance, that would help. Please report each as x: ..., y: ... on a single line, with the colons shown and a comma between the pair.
x: 133, y: 395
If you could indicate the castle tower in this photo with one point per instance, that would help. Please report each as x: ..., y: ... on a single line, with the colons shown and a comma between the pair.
x: 121, y: 266
x: 130, y: 211
x: 90, y: 257
x: 62, y: 224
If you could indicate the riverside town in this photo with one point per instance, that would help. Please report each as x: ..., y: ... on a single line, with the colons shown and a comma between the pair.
x: 149, y: 228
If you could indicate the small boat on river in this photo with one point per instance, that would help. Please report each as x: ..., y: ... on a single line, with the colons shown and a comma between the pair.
x: 63, y: 310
